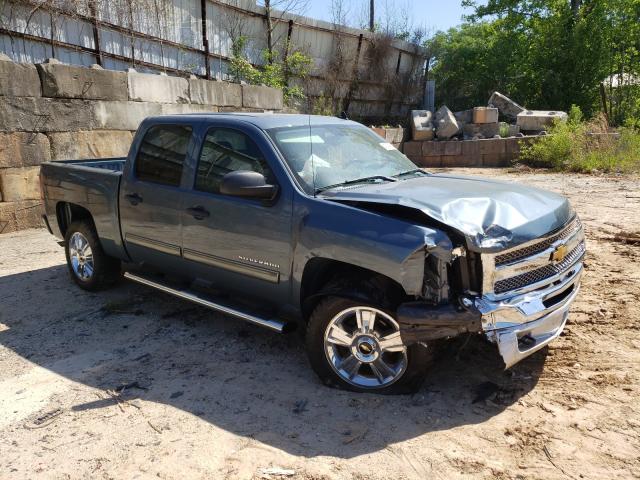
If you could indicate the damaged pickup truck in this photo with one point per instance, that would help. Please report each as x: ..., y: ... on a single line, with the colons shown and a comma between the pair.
x: 315, y: 222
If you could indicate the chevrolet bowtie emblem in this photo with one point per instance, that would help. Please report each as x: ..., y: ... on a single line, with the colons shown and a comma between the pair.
x: 559, y: 254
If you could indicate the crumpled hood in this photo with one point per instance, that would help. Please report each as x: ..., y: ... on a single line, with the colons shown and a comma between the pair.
x: 492, y: 215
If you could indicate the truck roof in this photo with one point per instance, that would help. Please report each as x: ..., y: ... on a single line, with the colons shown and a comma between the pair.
x: 261, y: 120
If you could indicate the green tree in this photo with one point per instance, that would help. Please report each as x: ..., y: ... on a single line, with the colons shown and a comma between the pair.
x: 546, y: 54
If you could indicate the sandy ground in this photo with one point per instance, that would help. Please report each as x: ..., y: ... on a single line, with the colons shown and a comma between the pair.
x: 210, y: 397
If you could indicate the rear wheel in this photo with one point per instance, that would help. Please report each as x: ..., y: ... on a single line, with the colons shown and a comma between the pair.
x: 89, y: 267
x: 357, y: 346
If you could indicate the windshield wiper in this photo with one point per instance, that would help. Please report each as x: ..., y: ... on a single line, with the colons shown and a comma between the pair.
x: 417, y: 170
x: 357, y: 180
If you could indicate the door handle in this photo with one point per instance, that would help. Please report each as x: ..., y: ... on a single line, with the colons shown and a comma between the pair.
x: 198, y: 212
x: 133, y: 198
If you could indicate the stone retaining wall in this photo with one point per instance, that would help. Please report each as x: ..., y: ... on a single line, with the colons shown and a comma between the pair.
x: 54, y: 111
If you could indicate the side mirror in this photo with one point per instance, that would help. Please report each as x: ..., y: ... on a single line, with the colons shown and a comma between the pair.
x: 244, y: 183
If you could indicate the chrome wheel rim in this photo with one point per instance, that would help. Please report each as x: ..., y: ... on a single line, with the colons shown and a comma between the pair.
x: 81, y: 256
x: 364, y: 347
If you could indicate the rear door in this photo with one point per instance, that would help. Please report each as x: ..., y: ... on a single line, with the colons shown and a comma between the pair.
x: 151, y: 195
x: 238, y: 243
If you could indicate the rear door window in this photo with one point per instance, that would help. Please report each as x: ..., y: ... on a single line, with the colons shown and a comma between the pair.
x: 162, y: 154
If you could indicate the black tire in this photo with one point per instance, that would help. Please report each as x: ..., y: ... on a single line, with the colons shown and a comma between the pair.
x: 106, y: 270
x: 419, y: 357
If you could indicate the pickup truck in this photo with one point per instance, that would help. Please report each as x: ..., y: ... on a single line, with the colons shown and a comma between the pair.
x: 290, y: 221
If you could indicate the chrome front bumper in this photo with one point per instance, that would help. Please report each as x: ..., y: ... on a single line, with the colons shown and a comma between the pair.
x: 523, y: 324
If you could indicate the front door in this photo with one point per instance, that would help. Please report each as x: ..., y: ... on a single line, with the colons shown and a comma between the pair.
x: 237, y: 243
x: 151, y: 196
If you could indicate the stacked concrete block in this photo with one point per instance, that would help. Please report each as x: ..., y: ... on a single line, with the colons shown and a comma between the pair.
x: 261, y: 97
x: 66, y: 81
x: 222, y: 94
x: 89, y: 144
x: 494, y: 152
x: 538, y: 120
x: 18, y: 80
x: 54, y: 111
x: 484, y: 115
x: 157, y: 88
x: 446, y: 123
x: 480, y: 130
x: 421, y: 125
x: 505, y: 105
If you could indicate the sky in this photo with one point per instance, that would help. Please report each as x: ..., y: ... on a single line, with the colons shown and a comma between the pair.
x: 432, y: 14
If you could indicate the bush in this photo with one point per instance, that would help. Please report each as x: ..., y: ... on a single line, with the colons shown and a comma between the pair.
x: 274, y: 73
x: 577, y: 146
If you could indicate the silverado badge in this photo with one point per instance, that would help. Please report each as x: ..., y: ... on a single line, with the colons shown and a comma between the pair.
x: 559, y: 253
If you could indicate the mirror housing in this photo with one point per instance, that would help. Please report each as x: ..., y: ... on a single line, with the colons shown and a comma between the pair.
x: 247, y: 184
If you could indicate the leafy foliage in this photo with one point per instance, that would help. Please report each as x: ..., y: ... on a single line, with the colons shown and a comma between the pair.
x: 273, y: 73
x: 545, y: 54
x: 585, y: 147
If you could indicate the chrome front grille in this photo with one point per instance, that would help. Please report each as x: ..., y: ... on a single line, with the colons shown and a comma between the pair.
x: 539, y: 274
x: 519, y: 254
x: 535, y: 265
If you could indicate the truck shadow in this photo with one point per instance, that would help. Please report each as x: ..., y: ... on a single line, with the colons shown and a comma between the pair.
x: 248, y: 381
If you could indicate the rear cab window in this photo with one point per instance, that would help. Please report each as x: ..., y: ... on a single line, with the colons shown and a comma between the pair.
x: 162, y: 154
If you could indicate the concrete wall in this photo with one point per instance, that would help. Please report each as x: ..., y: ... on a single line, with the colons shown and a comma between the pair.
x: 167, y: 35
x: 54, y: 111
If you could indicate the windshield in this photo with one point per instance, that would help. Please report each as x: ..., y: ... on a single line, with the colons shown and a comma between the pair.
x: 329, y: 155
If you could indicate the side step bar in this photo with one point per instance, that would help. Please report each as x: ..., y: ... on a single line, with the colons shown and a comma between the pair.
x: 275, y: 325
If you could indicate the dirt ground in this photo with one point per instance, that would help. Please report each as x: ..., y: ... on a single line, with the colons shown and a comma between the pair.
x: 132, y: 383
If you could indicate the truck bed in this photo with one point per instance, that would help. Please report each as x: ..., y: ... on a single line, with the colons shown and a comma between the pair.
x: 93, y: 185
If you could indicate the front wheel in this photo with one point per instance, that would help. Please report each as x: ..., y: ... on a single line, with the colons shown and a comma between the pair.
x: 357, y: 346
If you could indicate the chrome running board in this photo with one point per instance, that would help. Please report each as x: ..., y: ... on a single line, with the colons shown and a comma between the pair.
x: 191, y: 296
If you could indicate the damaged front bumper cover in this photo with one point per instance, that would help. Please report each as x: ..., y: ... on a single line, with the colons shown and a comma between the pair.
x: 519, y: 326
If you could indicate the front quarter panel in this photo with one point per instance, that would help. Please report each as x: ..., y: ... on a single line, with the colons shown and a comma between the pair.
x: 389, y: 246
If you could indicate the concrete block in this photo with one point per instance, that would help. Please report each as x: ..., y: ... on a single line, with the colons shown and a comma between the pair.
x: 457, y: 161
x: 394, y: 135
x: 446, y: 123
x: 66, y: 81
x: 157, y: 88
x: 412, y: 149
x: 452, y: 148
x: 485, y: 115
x: 538, y: 120
x: 471, y: 149
x: 23, y: 149
x: 514, y: 130
x: 180, y: 108
x: 44, y: 114
x: 464, y: 116
x: 512, y: 146
x: 221, y: 94
x: 485, y: 130
x: 381, y: 132
x: 492, y: 146
x: 421, y: 125
x: 19, y: 80
x: 20, y: 215
x: 505, y: 105
x: 121, y: 115
x: 256, y: 96
x: 19, y: 184
x: 431, y: 161
x: 89, y: 144
x: 432, y: 148
x: 496, y: 160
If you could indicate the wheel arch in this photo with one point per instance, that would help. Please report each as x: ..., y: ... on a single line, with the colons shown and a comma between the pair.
x: 324, y: 277
x: 67, y: 213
